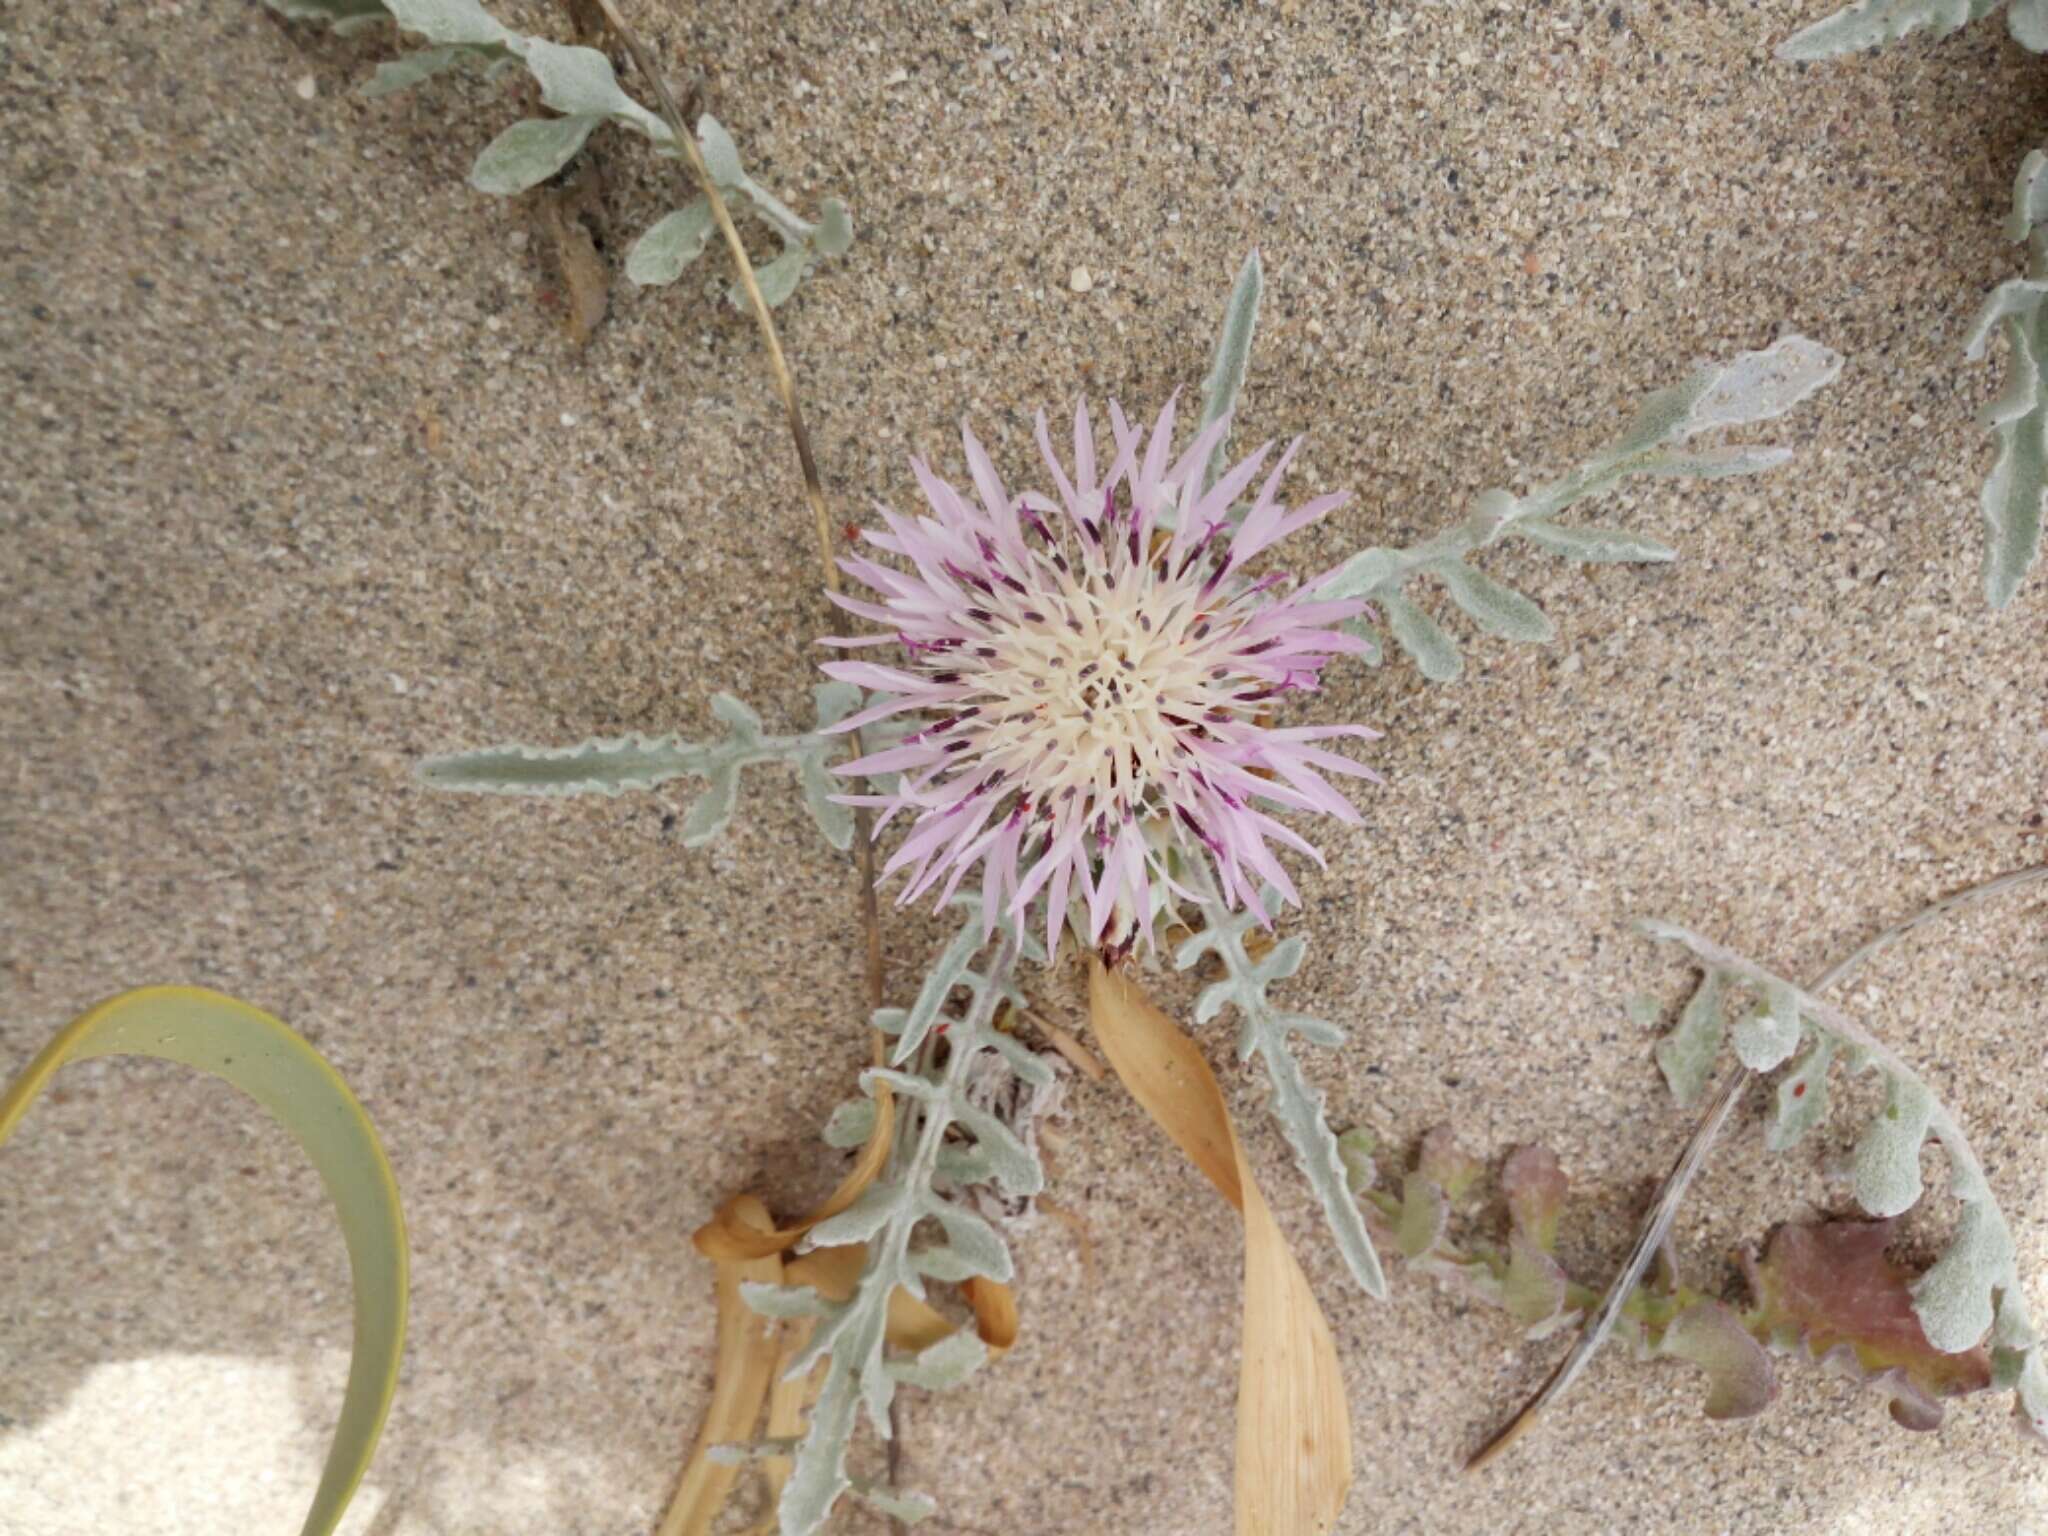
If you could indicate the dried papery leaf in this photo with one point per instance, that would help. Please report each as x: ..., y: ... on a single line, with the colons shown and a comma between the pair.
x: 1741, y: 1383
x: 567, y: 215
x: 747, y: 1355
x: 1831, y: 1289
x: 1293, y: 1425
x: 728, y: 1237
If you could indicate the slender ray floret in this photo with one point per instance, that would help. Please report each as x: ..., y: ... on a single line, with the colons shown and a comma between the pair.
x: 1101, y: 671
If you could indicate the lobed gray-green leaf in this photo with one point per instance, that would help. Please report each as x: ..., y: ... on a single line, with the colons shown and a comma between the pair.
x: 1686, y: 1055
x: 1873, y: 22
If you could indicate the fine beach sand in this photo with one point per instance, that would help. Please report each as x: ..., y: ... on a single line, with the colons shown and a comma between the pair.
x: 303, y: 481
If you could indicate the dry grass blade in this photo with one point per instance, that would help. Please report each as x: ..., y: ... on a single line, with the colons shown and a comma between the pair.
x: 1293, y: 1425
x: 747, y: 1353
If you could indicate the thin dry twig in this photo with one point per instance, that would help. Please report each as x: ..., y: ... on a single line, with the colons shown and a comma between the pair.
x: 785, y: 387
x: 1656, y: 1228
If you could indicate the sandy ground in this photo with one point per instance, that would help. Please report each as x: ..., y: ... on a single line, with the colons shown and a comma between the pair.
x: 303, y: 481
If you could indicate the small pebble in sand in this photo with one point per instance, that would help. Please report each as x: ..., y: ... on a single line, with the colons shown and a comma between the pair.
x: 307, y: 87
x: 1081, y: 281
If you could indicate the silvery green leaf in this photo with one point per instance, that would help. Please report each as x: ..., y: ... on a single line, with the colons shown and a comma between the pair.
x: 451, y: 22
x: 944, y: 1364
x: 1872, y: 22
x: 2012, y: 496
x: 1884, y: 1169
x: 528, y: 153
x: 1358, y: 629
x: 1433, y: 651
x: 909, y: 1084
x: 939, y: 983
x: 1594, y: 546
x: 1009, y: 1161
x: 1265, y: 1033
x: 1686, y: 1055
x: 409, y: 69
x: 1497, y: 609
x: 670, y: 244
x: 1024, y: 1063
x: 777, y: 280
x: 812, y: 753
x: 1954, y: 1298
x: 783, y: 1300
x: 579, y: 83
x: 2027, y: 20
x: 878, y: 1203
x: 1802, y: 1097
x: 2029, y: 194
x: 2016, y: 298
x: 1759, y: 386
x: 335, y: 12
x: 819, y: 1476
x: 852, y: 1122
x: 1974, y: 1285
x: 907, y: 1507
x: 1363, y: 575
x: 1765, y: 1037
x: 1225, y: 379
x: 960, y: 1163
x: 973, y: 1241
x: 721, y: 155
x: 601, y: 766
x: 851, y: 1338
x: 835, y: 228
x: 1723, y: 463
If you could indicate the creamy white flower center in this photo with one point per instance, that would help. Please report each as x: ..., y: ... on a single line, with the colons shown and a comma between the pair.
x: 1098, y: 687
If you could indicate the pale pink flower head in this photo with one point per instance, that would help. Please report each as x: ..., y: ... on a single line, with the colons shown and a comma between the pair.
x: 1102, y: 668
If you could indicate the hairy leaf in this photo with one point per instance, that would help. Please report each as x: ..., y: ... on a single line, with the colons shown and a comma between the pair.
x: 613, y: 765
x: 1225, y: 379
x: 1265, y: 1031
x: 1870, y: 23
x: 1753, y: 387
x: 528, y: 153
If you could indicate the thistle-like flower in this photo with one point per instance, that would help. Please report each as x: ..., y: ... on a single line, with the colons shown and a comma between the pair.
x: 1104, y: 669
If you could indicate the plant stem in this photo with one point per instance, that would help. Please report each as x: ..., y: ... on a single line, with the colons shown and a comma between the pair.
x: 1664, y: 1208
x: 814, y: 487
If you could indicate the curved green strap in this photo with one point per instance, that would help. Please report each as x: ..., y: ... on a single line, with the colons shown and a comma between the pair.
x: 279, y: 1070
